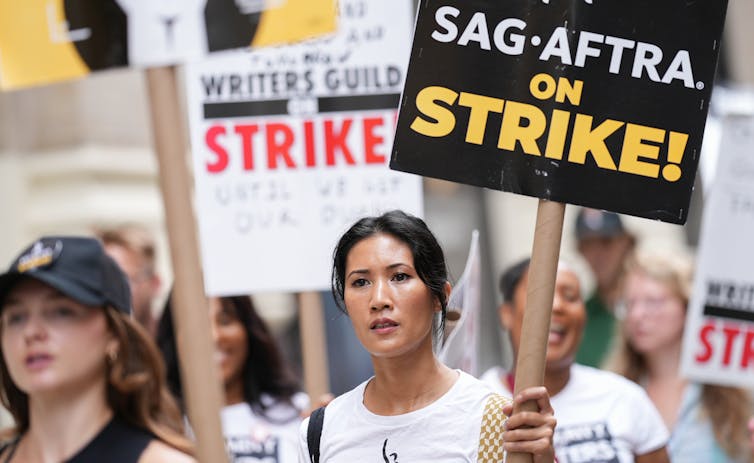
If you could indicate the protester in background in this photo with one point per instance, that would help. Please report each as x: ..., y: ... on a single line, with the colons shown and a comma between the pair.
x: 132, y: 247
x: 82, y: 380
x: 605, y: 245
x: 708, y: 423
x: 598, y: 412
x: 263, y: 404
x: 389, y: 276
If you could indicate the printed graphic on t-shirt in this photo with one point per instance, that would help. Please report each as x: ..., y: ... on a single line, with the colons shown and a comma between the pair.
x: 246, y: 449
x: 387, y: 455
x: 585, y: 443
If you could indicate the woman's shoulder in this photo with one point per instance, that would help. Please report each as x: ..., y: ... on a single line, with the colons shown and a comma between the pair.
x: 160, y: 452
x: 585, y: 376
x: 299, y: 401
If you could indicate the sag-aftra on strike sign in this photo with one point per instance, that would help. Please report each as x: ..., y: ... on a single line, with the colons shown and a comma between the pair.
x: 600, y: 104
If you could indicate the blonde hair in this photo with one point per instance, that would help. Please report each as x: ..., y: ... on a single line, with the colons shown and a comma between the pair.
x: 136, y: 389
x: 727, y: 408
x: 132, y: 237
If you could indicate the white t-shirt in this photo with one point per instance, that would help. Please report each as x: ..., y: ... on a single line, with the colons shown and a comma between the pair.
x: 443, y: 431
x: 254, y: 438
x: 602, y: 417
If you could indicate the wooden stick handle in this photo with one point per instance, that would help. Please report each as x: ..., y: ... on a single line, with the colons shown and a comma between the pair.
x: 199, y: 375
x: 313, y: 344
x: 530, y: 363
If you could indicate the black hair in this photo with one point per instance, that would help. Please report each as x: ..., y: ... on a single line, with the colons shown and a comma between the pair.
x: 429, y: 259
x: 264, y: 371
x: 511, y: 277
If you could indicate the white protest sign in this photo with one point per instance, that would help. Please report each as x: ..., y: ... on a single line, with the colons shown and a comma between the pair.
x: 718, y: 344
x: 291, y: 145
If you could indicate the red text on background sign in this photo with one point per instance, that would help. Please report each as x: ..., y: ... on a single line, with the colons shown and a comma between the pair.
x: 730, y: 344
x: 344, y: 141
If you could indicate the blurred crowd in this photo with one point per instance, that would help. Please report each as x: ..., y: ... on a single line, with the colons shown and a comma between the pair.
x: 90, y: 364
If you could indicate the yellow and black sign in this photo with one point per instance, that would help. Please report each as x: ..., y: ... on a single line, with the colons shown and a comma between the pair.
x: 605, y: 108
x: 45, y: 41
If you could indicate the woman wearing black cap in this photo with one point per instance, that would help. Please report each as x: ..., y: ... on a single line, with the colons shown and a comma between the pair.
x: 82, y: 380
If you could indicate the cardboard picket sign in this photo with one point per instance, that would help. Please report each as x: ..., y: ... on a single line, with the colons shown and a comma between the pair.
x: 291, y: 146
x: 595, y: 103
x: 718, y: 343
x: 43, y: 41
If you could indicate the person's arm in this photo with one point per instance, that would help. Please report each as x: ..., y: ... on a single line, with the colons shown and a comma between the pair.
x: 751, y: 435
x: 657, y: 456
x: 531, y: 432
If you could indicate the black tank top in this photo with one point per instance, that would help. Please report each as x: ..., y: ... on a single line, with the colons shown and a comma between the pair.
x: 117, y: 442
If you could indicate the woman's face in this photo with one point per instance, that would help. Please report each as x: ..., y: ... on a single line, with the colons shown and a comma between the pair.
x: 566, y: 323
x: 51, y: 343
x: 389, y: 305
x: 231, y: 342
x: 654, y: 315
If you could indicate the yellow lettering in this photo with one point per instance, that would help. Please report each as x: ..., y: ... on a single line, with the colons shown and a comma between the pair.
x: 566, y: 90
x: 536, y: 89
x: 481, y: 106
x: 441, y: 120
x: 557, y: 135
x: 512, y: 131
x: 635, y: 148
x: 587, y: 140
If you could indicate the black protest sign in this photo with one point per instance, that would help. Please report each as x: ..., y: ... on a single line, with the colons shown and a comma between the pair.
x: 597, y: 103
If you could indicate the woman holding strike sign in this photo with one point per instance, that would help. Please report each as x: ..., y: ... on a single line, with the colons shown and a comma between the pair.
x: 81, y: 378
x: 601, y: 415
x: 707, y: 422
x: 389, y: 275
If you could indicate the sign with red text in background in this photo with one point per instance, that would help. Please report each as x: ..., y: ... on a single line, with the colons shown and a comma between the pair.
x: 718, y: 344
x: 590, y: 102
x: 291, y: 145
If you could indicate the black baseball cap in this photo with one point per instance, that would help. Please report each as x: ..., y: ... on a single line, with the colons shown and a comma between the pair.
x: 78, y: 267
x: 593, y: 223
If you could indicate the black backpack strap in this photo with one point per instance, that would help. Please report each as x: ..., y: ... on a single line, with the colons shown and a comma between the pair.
x: 314, y: 433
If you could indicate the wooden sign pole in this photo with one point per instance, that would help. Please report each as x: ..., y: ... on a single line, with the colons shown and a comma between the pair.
x: 204, y: 397
x: 313, y: 345
x: 530, y: 364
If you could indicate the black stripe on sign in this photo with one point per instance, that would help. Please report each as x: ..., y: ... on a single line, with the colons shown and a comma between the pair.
x: 724, y: 312
x: 358, y: 103
x: 330, y: 104
x: 245, y: 109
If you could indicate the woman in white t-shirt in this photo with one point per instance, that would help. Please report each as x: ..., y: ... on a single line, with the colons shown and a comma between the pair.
x: 263, y: 404
x: 602, y: 417
x: 390, y: 277
x: 707, y: 422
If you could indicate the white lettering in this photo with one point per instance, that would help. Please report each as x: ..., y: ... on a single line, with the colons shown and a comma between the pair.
x: 680, y: 68
x: 557, y: 46
x: 476, y: 31
x: 647, y: 57
x: 441, y: 17
x: 616, y: 57
x: 583, y: 49
x: 517, y: 40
